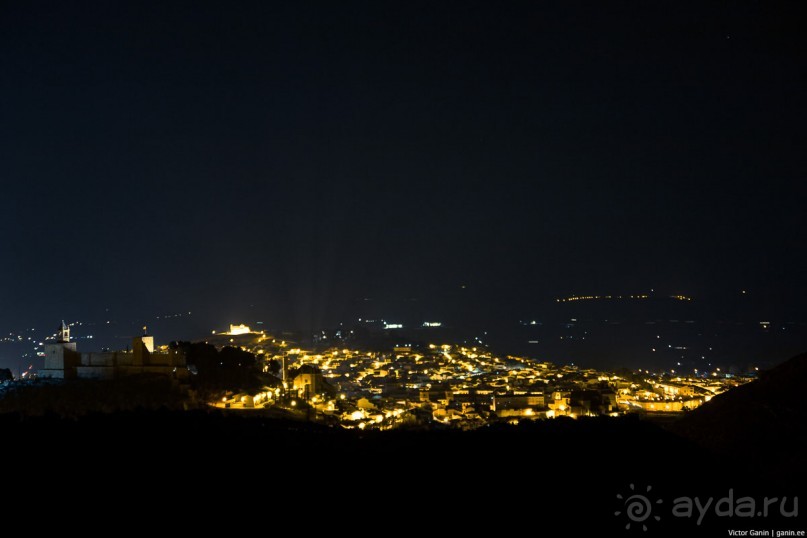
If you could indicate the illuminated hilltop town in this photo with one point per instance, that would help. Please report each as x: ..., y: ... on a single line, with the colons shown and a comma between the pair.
x: 437, y: 384
x: 451, y: 385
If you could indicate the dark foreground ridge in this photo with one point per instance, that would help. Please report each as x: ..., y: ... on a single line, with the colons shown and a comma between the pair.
x: 760, y: 426
x: 214, y: 468
x: 561, y: 474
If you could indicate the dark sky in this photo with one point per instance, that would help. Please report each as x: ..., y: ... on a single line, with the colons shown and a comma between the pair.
x: 301, y: 157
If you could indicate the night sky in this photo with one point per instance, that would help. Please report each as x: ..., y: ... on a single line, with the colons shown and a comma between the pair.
x: 294, y: 161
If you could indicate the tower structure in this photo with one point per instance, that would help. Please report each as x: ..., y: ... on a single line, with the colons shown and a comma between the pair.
x: 61, y: 357
x: 63, y: 333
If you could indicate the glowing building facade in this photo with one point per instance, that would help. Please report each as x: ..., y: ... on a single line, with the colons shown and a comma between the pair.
x: 63, y: 361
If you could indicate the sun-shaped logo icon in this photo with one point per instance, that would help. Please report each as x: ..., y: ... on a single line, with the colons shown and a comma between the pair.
x: 638, y: 507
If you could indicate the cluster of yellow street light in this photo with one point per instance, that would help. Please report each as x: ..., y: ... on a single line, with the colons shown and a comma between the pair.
x: 598, y: 297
